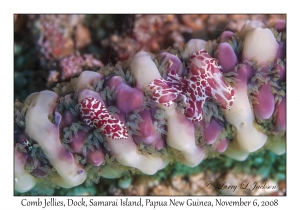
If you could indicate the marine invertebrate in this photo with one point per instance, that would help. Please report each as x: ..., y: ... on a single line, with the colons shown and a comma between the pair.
x: 204, y: 81
x: 74, y: 65
x: 94, y: 114
x: 154, y: 33
x: 56, y: 34
x: 140, y: 115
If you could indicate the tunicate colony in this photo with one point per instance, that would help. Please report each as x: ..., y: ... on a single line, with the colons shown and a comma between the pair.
x: 225, y: 96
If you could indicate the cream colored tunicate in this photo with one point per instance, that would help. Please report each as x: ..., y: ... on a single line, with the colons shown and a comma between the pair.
x: 235, y: 152
x: 260, y: 45
x: 126, y: 153
x: 194, y: 45
x: 144, y: 70
x: 278, y: 147
x: 87, y: 93
x: 85, y: 78
x: 249, y: 25
x: 22, y: 179
x: 181, y: 136
x: 39, y: 127
x: 242, y: 117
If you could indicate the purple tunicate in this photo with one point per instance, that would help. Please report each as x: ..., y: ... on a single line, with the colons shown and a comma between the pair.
x: 222, y: 145
x: 171, y: 63
x: 67, y: 118
x: 95, y: 157
x: 226, y: 57
x: 280, y: 25
x: 148, y: 135
x: 244, y: 73
x: 121, y: 116
x: 159, y: 144
x: 281, y: 116
x: 114, y: 81
x: 265, y: 108
x: 226, y: 35
x: 128, y: 98
x: 212, y: 131
x: 77, y: 143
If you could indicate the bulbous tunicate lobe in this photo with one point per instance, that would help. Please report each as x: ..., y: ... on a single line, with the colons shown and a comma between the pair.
x: 148, y: 134
x: 226, y: 35
x: 249, y: 25
x: 171, y: 63
x: 128, y: 98
x: 226, y: 57
x: 159, y: 144
x: 77, y: 143
x: 67, y: 118
x: 280, y: 25
x: 194, y: 45
x: 260, y: 45
x: 95, y: 157
x: 212, y: 131
x: 222, y: 146
x: 265, y: 108
x: 244, y: 73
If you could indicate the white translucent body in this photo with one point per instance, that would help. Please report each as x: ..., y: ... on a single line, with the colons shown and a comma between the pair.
x: 181, y: 136
x: 278, y: 147
x: 144, y: 70
x: 46, y: 134
x: 248, y: 138
x: 260, y: 45
x: 126, y: 152
x: 22, y: 179
x: 194, y: 45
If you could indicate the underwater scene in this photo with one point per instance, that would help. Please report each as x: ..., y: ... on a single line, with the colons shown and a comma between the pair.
x: 165, y: 104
